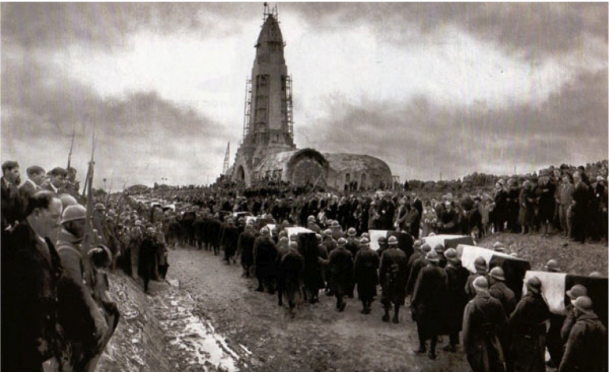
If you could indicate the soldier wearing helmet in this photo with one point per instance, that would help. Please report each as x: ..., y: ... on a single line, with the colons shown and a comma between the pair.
x: 587, y: 345
x: 480, y: 266
x: 484, y: 321
x: 428, y: 303
x: 528, y: 326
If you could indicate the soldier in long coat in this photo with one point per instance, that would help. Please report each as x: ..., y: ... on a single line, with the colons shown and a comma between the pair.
x: 587, y: 346
x: 456, y: 301
x: 265, y: 261
x: 341, y: 270
x: 365, y: 272
x: 500, y: 291
x: 427, y: 303
x: 313, y: 274
x: 484, y: 320
x: 415, y: 268
x: 245, y: 248
x: 148, y: 257
x: 229, y: 241
x: 214, y: 232
x: 353, y: 246
x: 393, y: 276
x: 481, y: 270
x: 290, y: 273
x: 528, y: 325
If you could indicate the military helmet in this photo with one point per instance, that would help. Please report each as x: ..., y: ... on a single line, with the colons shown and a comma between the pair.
x: 73, y: 213
x: 497, y: 273
x: 576, y: 291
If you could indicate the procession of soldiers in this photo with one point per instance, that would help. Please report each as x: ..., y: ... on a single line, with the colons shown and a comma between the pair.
x: 59, y: 244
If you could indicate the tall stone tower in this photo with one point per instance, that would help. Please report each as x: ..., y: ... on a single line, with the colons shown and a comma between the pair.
x: 268, y: 109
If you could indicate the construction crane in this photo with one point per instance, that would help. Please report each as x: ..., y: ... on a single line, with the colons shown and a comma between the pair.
x: 225, y: 166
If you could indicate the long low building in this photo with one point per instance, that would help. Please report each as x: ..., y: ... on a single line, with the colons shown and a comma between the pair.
x: 308, y: 166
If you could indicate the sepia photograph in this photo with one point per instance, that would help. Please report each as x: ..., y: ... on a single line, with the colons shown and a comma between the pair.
x: 292, y: 186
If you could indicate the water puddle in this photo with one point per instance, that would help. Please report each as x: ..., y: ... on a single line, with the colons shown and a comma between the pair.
x: 194, y: 337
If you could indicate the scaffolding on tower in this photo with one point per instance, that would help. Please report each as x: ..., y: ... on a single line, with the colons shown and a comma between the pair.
x: 247, y: 108
x: 289, y: 106
x: 225, y: 166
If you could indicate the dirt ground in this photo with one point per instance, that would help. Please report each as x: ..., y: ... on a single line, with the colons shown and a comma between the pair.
x: 318, y: 339
x: 207, y: 317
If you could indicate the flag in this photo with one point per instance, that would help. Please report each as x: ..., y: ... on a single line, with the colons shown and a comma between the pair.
x: 514, y: 267
x: 448, y: 241
x: 555, y: 286
x: 296, y: 231
x: 405, y: 241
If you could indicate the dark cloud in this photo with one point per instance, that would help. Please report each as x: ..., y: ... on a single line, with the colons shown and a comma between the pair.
x: 421, y: 139
x: 531, y: 28
x: 138, y: 131
x: 107, y: 25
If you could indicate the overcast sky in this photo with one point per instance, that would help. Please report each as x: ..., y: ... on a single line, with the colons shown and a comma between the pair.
x: 429, y: 88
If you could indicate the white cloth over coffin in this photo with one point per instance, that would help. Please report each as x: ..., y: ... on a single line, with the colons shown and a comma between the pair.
x: 250, y: 218
x: 469, y: 253
x: 553, y: 289
x: 271, y: 228
x: 440, y: 239
x: 374, y: 236
x: 296, y: 230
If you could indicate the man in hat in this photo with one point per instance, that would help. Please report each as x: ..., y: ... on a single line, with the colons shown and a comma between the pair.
x: 440, y: 251
x: 499, y: 247
x: 289, y: 278
x: 481, y: 270
x: 456, y: 299
x: 393, y: 276
x: 579, y: 207
x: 557, y: 336
x: 587, y: 346
x: 484, y: 321
x: 506, y: 296
x: 500, y: 290
x: 427, y: 303
x: 148, y: 257
x: 576, y: 291
x: 566, y: 193
x: 498, y: 216
x: 341, y: 270
x: 382, y: 241
x: 353, y: 246
x: 80, y: 317
x: 552, y: 266
x: 11, y: 203
x: 312, y: 225
x: 314, y: 253
x: 229, y: 241
x: 365, y: 271
x: 265, y: 259
x: 336, y: 231
x: 416, y: 267
x: 245, y: 248
x: 528, y: 326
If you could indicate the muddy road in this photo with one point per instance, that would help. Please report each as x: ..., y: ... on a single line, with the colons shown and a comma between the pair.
x: 264, y: 337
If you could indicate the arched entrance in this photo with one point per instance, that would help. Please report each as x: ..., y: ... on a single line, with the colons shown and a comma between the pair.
x: 363, y: 181
x: 241, y: 174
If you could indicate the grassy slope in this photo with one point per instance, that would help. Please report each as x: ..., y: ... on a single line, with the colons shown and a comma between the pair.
x: 573, y: 258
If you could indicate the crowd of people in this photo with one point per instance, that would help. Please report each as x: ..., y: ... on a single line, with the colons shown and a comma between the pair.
x: 44, y: 224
